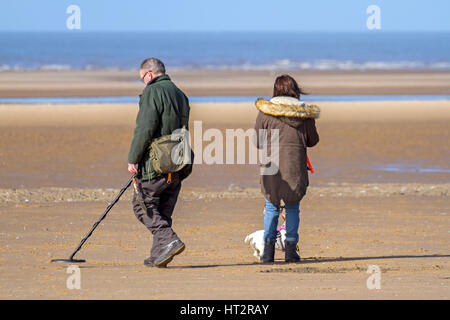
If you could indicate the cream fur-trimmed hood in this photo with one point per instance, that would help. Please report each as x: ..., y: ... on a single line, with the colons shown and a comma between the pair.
x: 287, y: 107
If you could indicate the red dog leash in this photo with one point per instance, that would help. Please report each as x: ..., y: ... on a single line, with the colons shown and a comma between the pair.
x: 309, y: 164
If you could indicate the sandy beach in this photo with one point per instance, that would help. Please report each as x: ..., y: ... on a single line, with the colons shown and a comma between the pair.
x: 380, y: 194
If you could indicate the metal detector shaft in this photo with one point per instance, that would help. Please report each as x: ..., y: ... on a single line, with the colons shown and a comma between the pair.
x: 101, y: 218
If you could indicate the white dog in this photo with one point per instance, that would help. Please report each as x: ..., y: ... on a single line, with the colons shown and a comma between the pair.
x: 256, y: 241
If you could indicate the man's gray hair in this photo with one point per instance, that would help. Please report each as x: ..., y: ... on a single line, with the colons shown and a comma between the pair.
x: 154, y: 65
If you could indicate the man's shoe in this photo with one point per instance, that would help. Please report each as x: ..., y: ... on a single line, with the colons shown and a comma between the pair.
x: 291, y: 252
x: 269, y: 251
x: 169, y: 251
x: 149, y: 262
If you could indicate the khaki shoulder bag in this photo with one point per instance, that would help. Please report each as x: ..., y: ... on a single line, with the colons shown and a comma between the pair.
x: 171, y: 153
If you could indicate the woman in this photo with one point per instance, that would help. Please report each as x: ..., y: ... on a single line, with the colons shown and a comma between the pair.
x: 297, y: 131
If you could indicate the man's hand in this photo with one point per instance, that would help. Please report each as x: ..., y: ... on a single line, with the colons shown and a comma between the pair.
x: 132, y: 168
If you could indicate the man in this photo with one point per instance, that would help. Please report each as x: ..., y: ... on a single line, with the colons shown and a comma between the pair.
x: 163, y: 108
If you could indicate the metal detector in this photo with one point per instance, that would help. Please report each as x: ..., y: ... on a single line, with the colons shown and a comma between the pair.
x: 71, y: 259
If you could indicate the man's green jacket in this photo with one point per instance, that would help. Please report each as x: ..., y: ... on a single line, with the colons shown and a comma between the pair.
x: 163, y: 108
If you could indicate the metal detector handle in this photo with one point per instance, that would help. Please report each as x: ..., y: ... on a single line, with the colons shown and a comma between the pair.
x: 102, y: 217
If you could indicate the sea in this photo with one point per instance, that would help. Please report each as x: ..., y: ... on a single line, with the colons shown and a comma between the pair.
x: 370, y: 50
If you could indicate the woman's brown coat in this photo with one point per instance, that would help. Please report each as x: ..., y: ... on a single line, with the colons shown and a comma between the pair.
x: 297, y: 131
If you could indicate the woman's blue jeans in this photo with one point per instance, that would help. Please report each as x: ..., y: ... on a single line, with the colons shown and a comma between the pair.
x: 271, y: 214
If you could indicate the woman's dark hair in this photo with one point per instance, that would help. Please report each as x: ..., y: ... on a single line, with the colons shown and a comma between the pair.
x: 285, y: 85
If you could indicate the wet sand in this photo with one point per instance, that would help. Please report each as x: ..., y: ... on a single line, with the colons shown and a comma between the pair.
x: 87, y: 145
x: 61, y: 165
x: 222, y: 83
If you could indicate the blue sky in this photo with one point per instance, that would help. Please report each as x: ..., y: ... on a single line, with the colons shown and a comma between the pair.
x: 227, y: 15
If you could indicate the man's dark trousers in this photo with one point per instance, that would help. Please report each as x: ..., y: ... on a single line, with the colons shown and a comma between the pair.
x: 160, y: 197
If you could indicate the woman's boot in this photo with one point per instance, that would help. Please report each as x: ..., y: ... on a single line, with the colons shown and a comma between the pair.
x: 291, y: 252
x: 269, y: 251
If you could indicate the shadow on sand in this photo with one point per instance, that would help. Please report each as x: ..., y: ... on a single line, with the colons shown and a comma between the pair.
x: 313, y: 260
